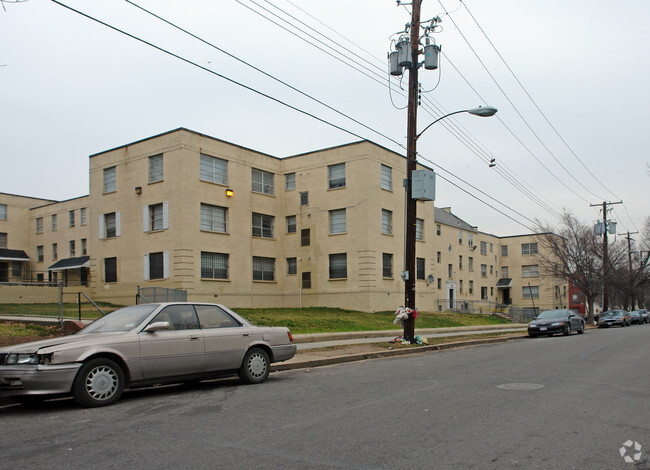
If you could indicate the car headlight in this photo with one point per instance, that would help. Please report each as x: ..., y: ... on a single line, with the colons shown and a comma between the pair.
x: 558, y: 323
x: 28, y: 359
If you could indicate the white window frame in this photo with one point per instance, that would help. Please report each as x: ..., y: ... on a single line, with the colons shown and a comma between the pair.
x: 72, y: 246
x: 147, y: 265
x: 338, y: 266
x: 263, y: 225
x: 39, y: 224
x: 262, y: 182
x: 290, y: 181
x: 263, y: 269
x: 386, y: 177
x: 156, y: 168
x: 529, y: 248
x: 103, y: 228
x: 55, y: 223
x: 338, y: 221
x: 530, y: 270
x: 386, y: 222
x: 528, y: 292
x: 291, y: 224
x: 213, y: 169
x: 152, y: 221
x: 82, y: 216
x: 336, y: 176
x: 387, y: 265
x: 216, y: 263
x: 214, y: 218
x: 3, y: 211
x: 484, y: 248
x: 71, y: 218
x: 505, y: 271
x: 419, y: 229
x: 110, y: 179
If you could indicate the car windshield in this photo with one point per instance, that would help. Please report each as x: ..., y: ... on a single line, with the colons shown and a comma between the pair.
x: 611, y: 313
x: 548, y: 314
x: 124, y: 319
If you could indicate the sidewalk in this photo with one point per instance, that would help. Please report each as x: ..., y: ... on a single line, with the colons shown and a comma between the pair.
x: 319, y: 349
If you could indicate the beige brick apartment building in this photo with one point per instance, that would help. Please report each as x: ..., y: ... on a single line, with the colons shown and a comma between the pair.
x: 231, y: 225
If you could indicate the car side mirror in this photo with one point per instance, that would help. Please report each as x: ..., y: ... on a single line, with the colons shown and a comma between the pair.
x: 156, y: 326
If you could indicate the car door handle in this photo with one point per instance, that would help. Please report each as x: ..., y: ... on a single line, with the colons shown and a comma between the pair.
x: 244, y: 334
x: 194, y: 338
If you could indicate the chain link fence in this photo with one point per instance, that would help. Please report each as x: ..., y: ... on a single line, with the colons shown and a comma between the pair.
x: 148, y: 295
x: 485, y: 307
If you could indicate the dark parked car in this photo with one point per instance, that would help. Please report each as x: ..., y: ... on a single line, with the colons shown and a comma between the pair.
x: 550, y: 322
x: 645, y: 318
x: 143, y: 345
x: 635, y: 318
x: 614, y: 317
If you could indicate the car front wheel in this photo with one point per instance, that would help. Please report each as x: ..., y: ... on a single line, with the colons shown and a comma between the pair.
x: 255, y: 367
x: 568, y: 331
x: 99, y: 382
x: 581, y: 330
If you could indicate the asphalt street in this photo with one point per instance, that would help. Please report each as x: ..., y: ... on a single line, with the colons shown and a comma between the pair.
x: 561, y: 402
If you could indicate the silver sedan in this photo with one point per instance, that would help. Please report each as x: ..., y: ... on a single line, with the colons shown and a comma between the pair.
x: 141, y: 345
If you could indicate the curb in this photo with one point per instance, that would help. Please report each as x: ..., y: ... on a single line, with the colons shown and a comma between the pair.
x: 381, y: 354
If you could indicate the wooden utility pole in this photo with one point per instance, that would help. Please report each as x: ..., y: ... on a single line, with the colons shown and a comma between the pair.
x: 411, y: 151
x: 605, y: 255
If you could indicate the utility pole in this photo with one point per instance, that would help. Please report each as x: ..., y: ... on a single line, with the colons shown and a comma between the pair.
x: 411, y: 162
x: 605, y: 256
x: 629, y: 260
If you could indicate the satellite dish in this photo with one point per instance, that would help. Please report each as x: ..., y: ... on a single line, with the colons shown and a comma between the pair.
x: 450, y: 248
x: 430, y: 279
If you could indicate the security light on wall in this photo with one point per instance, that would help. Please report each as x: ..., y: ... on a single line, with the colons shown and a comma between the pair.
x: 230, y: 192
x: 138, y: 189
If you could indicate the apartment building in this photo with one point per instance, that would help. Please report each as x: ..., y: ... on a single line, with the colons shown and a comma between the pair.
x: 232, y: 225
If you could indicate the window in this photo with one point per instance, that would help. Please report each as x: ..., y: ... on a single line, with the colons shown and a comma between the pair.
x: 470, y: 264
x: 483, y: 248
x: 470, y: 239
x: 155, y: 168
x: 386, y: 222
x: 306, y: 280
x: 450, y: 271
x: 263, y: 225
x: 460, y: 261
x: 71, y: 218
x: 17, y: 269
x: 109, y: 225
x: 304, y: 198
x: 292, y: 266
x: 291, y: 224
x: 438, y: 256
x: 386, y: 178
x: 339, y: 266
x: 39, y: 225
x: 82, y: 216
x: 531, y: 270
x: 529, y: 248
x: 305, y: 237
x: 3, y: 211
x: 471, y: 287
x: 337, y: 221
x: 530, y: 292
x: 289, y: 181
x: 55, y: 223
x: 460, y: 237
x: 461, y: 286
x: 491, y: 291
x: 39, y: 253
x: 387, y: 264
x: 263, y: 269
x: 419, y: 268
x: 484, y: 270
x: 110, y: 269
x: 72, y: 248
x: 491, y: 269
x: 155, y: 217
x: 263, y: 182
x: 110, y: 180
x: 213, y: 170
x: 214, y: 265
x: 504, y: 250
x: 55, y: 251
x: 336, y: 176
x: 3, y: 240
x: 504, y: 271
x: 484, y: 294
x: 213, y: 317
x: 438, y: 229
x: 213, y: 218
x: 491, y: 248
x: 156, y: 265
x: 84, y: 247
x: 439, y: 283
x: 419, y: 229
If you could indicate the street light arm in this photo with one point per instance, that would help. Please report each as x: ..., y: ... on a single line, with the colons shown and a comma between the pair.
x: 482, y: 111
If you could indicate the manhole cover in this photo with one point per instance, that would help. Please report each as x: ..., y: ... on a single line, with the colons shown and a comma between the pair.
x: 520, y: 386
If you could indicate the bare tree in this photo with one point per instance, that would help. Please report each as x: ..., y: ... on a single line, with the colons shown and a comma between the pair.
x: 574, y: 254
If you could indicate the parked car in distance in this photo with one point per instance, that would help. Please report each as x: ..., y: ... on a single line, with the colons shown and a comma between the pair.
x: 550, y: 322
x: 635, y: 318
x: 614, y: 317
x: 142, y: 345
x: 645, y: 318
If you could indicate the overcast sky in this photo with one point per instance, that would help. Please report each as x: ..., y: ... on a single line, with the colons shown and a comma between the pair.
x: 70, y: 87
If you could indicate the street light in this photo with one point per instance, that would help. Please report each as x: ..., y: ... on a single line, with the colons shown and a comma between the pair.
x: 411, y: 208
x: 482, y: 111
